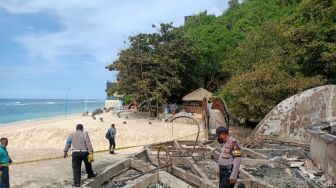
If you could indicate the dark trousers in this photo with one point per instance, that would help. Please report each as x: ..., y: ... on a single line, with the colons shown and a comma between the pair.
x: 4, y: 178
x: 224, y: 175
x: 77, y: 158
x: 112, y: 144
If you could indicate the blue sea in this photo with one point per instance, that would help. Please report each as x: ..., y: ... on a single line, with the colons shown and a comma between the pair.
x: 13, y: 110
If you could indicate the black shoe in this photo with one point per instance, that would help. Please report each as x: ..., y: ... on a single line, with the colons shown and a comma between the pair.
x: 75, y: 185
x: 92, y: 176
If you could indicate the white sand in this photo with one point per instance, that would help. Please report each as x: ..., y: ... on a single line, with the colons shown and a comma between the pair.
x: 46, y: 138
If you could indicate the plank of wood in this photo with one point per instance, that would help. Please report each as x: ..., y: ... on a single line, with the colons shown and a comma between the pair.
x: 253, y: 154
x: 296, y: 164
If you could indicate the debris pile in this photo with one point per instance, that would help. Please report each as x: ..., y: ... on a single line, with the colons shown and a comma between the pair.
x: 290, y: 161
x: 121, y: 179
x: 208, y: 167
x: 158, y: 185
x: 192, y: 164
x: 271, y: 175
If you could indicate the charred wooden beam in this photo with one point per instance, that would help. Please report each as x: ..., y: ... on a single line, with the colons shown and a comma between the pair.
x: 141, y: 155
x: 193, y: 179
x: 177, y: 145
x: 111, y: 171
x: 188, y: 142
x: 253, y: 154
x: 255, y: 162
x: 196, y: 169
x: 150, y: 157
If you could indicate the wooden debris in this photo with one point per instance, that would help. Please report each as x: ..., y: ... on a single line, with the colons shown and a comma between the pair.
x: 296, y: 164
x: 253, y: 154
x: 177, y: 162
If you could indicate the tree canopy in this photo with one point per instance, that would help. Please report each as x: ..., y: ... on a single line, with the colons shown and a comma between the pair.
x: 151, y: 68
x: 254, y: 55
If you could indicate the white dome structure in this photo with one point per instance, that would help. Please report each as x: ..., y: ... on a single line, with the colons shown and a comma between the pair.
x: 290, y: 119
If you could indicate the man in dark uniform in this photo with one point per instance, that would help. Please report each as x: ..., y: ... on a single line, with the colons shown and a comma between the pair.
x: 81, y: 148
x: 229, y: 159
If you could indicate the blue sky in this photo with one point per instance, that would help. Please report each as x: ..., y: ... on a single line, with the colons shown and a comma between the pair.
x: 47, y: 47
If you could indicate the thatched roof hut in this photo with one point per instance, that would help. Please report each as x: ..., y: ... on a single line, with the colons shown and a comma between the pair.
x: 197, y: 95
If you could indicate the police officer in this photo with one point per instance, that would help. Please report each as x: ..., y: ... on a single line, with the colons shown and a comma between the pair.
x: 229, y: 159
x: 81, y: 148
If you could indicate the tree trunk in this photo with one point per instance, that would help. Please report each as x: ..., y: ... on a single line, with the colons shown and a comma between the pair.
x: 157, y: 108
x: 149, y: 105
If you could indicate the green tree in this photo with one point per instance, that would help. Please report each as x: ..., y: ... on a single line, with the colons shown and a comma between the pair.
x: 281, y: 58
x: 260, y: 45
x: 150, y: 69
x: 216, y: 38
x: 233, y: 4
x: 254, y: 93
x: 311, y: 32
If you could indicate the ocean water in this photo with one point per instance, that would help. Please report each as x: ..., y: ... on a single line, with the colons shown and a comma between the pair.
x: 13, y: 110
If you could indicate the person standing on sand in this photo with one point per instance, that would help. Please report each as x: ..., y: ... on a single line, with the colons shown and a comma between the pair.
x: 81, y: 148
x: 5, y: 160
x: 112, y: 132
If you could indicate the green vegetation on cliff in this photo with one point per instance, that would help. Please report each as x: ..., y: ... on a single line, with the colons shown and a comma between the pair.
x: 254, y: 55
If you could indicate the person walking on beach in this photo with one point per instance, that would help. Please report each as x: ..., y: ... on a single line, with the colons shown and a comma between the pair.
x: 81, y: 149
x: 5, y: 160
x: 111, y: 137
x: 229, y: 159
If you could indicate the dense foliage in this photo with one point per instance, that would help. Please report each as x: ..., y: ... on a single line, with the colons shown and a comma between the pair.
x: 256, y: 54
x: 154, y: 65
x: 281, y: 58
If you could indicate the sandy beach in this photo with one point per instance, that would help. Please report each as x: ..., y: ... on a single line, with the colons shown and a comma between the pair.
x: 46, y: 138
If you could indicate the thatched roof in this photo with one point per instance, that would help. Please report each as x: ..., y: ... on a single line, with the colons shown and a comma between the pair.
x: 197, y: 95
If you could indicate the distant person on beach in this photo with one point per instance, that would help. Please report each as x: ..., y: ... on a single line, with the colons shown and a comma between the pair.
x: 81, y: 149
x: 132, y: 104
x: 5, y: 160
x: 111, y: 137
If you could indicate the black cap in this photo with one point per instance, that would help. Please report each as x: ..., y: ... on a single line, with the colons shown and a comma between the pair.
x: 220, y: 130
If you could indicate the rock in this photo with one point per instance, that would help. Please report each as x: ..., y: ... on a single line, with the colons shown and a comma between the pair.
x: 97, y: 112
x: 109, y: 109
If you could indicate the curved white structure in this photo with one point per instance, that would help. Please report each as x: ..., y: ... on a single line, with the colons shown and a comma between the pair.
x: 289, y: 119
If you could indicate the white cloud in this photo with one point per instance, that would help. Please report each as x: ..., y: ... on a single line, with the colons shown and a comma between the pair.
x: 98, y: 28
x: 93, y: 33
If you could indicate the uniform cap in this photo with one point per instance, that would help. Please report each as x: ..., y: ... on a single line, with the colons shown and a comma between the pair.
x: 220, y: 130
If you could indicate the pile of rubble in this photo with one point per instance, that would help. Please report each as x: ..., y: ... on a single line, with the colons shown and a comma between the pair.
x: 290, y: 161
x: 192, y: 164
